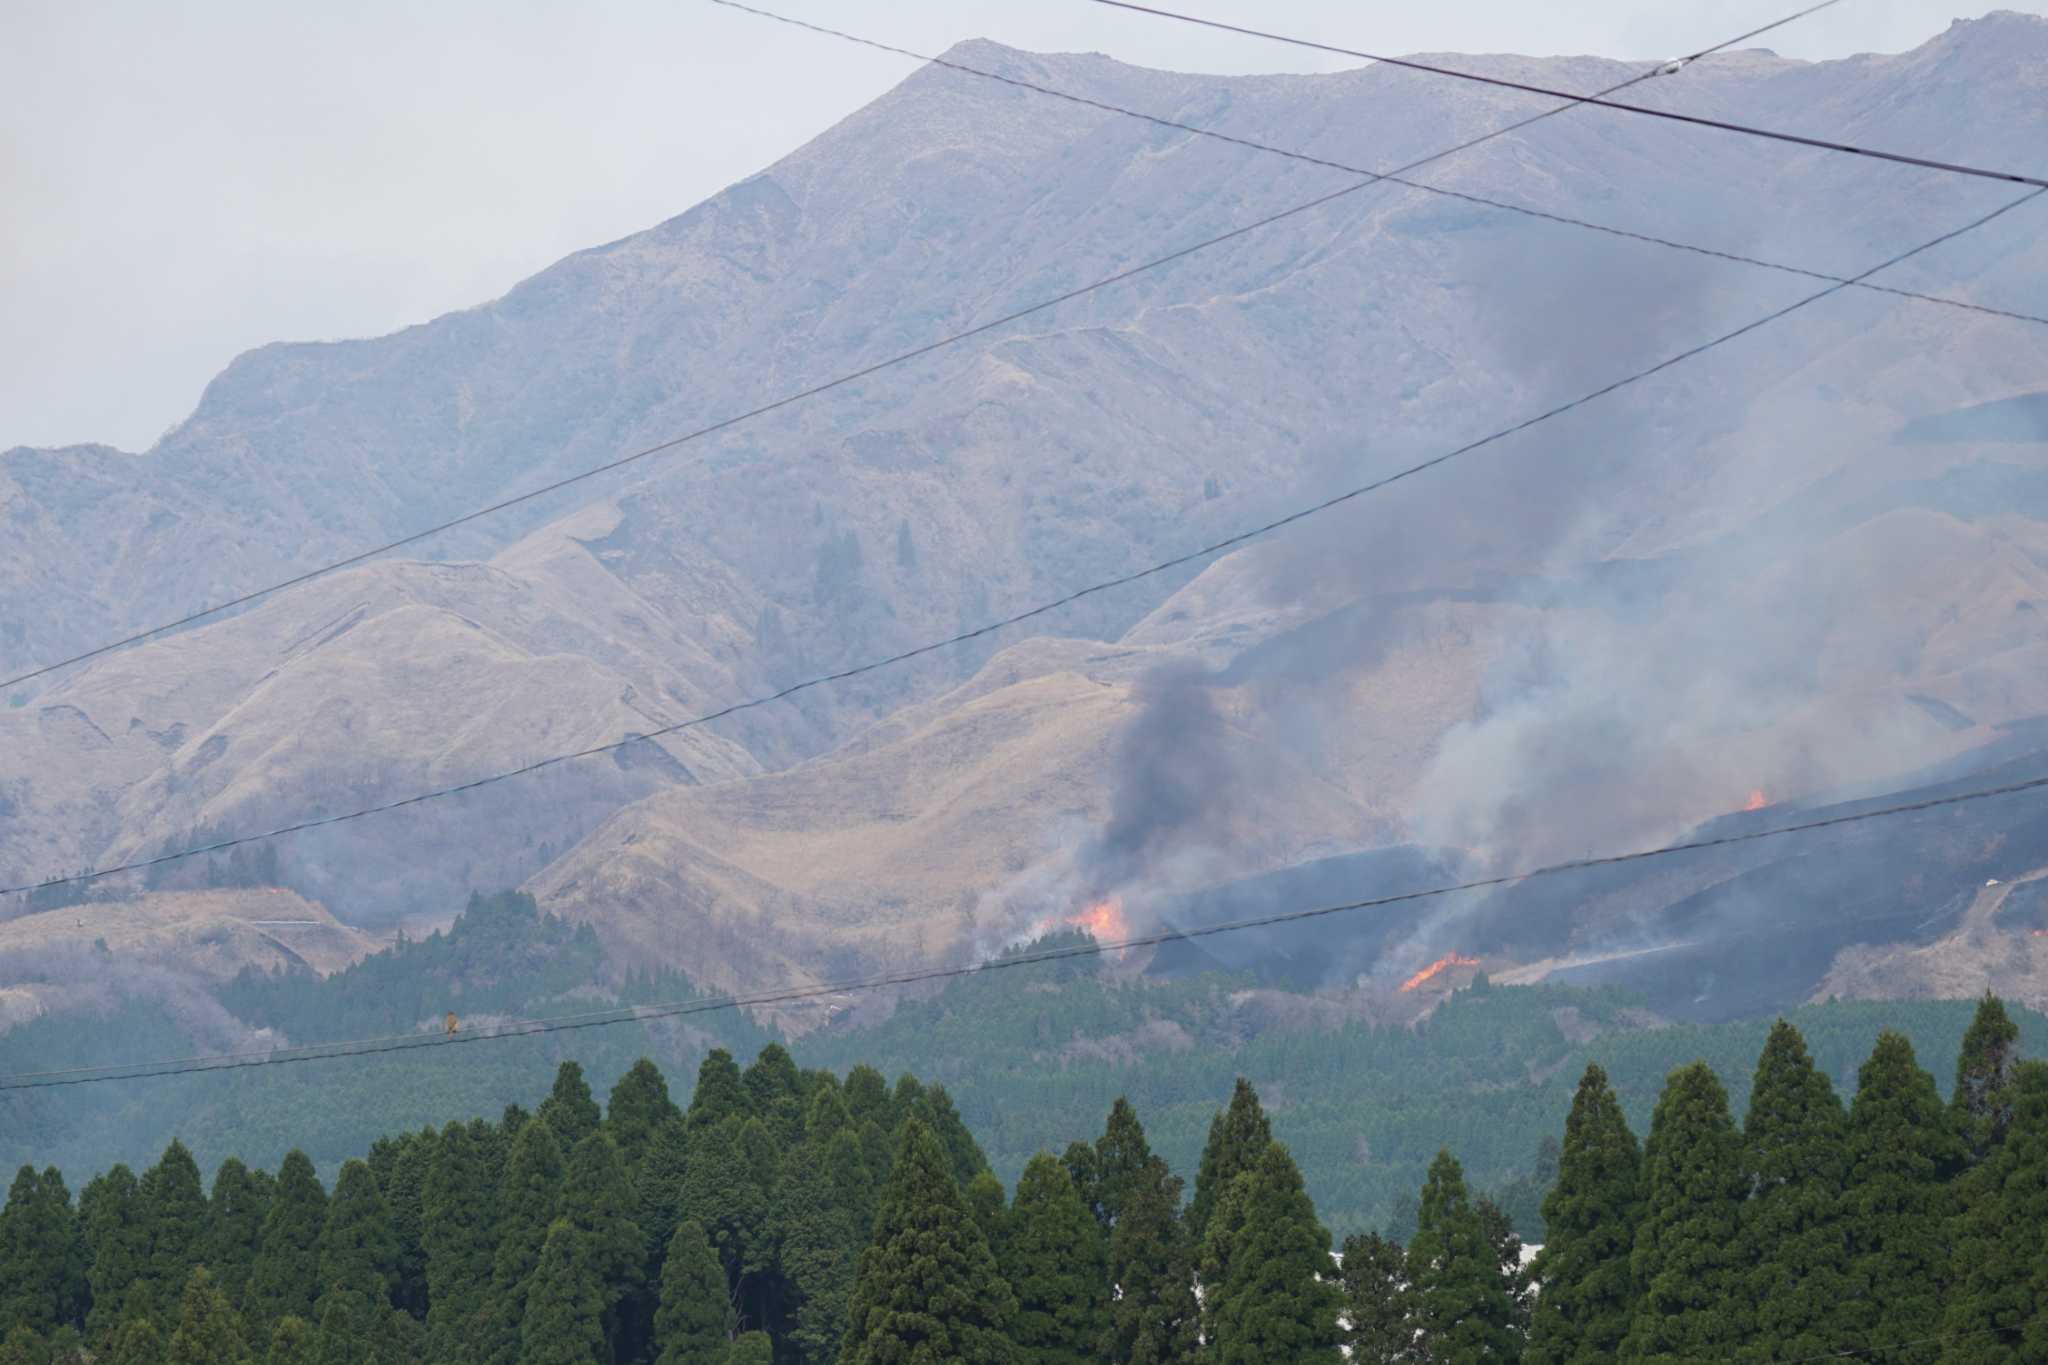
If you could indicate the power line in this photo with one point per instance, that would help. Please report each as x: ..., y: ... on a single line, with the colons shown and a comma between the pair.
x: 1092, y: 948
x: 363, y: 556
x: 962, y: 637
x: 1410, y: 64
x: 1393, y: 177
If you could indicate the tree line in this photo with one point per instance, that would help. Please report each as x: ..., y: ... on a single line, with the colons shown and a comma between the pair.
x: 787, y: 1217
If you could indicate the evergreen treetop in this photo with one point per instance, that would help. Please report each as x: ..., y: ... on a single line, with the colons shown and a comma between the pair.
x: 42, y: 1256
x: 694, y: 1323
x: 1374, y: 1277
x: 530, y: 1200
x: 927, y: 1287
x: 564, y: 1319
x: 171, y: 1205
x: 1590, y: 1215
x: 569, y: 1108
x: 1238, y: 1137
x: 1795, y: 1242
x: 358, y: 1247
x: 1980, y: 1104
x: 1690, y: 1301
x: 1999, y: 1276
x: 1900, y: 1148
x: 1056, y: 1261
x: 638, y: 1108
x: 285, y: 1279
x: 235, y: 1215
x: 1264, y: 1263
x: 458, y: 1235
x: 1462, y: 1307
x: 720, y: 1094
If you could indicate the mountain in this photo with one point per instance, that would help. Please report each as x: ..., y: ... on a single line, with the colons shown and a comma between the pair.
x: 1803, y: 562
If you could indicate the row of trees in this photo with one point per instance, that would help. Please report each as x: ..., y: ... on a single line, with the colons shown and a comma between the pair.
x: 791, y: 1216
x: 1898, y: 1224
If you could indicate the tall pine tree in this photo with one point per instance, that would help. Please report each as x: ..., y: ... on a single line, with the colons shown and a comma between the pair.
x: 565, y: 1308
x: 530, y: 1198
x: 1981, y: 1105
x: 234, y: 1227
x: 694, y: 1324
x: 597, y: 1202
x: 719, y: 1094
x: 400, y: 1165
x: 1056, y: 1262
x: 1155, y: 1319
x: 1795, y: 1248
x: 42, y: 1264
x: 1462, y: 1308
x: 1263, y: 1266
x: 117, y: 1248
x: 459, y: 1236
x: 1590, y: 1218
x: 285, y: 1279
x: 358, y: 1248
x: 824, y: 1208
x: 1900, y: 1149
x: 927, y: 1287
x: 569, y: 1109
x: 638, y: 1108
x: 723, y: 1194
x: 775, y: 1094
x: 1238, y: 1137
x: 171, y: 1204
x: 1120, y: 1160
x: 1686, y: 1262
x: 1998, y: 1282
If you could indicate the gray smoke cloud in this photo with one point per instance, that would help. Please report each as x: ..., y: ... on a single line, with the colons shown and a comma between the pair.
x: 65, y: 979
x: 1655, y: 649
x: 1179, y: 783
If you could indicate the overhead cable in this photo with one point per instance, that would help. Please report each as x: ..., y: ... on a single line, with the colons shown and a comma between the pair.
x: 1162, y: 566
x: 1396, y: 178
x: 789, y: 400
x: 1092, y: 948
x: 1698, y: 120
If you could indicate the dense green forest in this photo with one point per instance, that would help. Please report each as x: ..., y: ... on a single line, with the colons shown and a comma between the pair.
x: 1030, y: 1056
x: 793, y: 1217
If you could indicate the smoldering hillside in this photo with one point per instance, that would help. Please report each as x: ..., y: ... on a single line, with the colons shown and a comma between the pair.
x: 1836, y: 609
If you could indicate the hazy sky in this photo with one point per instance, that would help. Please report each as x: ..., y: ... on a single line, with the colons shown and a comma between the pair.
x: 184, y: 180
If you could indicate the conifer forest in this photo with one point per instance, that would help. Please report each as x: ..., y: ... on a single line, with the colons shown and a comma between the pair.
x: 784, y: 1215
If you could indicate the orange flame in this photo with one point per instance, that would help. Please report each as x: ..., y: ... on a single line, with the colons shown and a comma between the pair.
x: 1103, y: 921
x: 1446, y: 961
x: 1757, y: 800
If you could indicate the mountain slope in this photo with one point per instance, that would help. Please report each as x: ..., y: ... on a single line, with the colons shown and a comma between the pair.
x: 1738, y: 574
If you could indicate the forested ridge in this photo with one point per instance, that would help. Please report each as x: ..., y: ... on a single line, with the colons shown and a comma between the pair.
x: 791, y: 1217
x: 1030, y: 1056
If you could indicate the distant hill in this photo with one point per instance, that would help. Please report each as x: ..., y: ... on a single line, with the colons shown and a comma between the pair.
x: 1792, y: 567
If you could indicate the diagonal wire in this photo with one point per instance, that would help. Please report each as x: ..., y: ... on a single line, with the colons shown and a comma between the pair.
x: 1092, y: 948
x: 1254, y: 144
x: 813, y: 391
x: 1162, y: 566
x: 1698, y: 120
